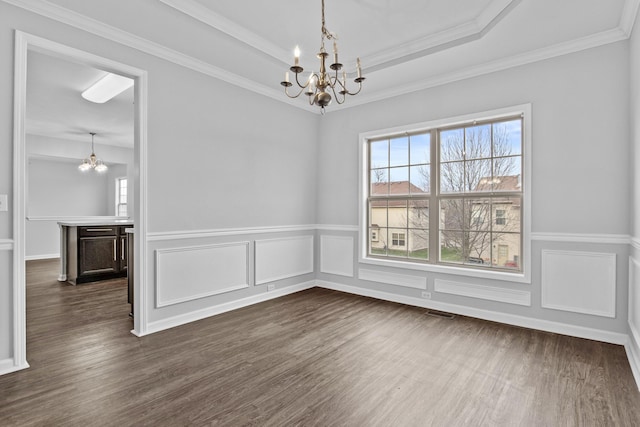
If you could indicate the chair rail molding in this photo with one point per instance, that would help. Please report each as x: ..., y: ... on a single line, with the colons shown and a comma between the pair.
x: 6, y: 244
x: 612, y: 239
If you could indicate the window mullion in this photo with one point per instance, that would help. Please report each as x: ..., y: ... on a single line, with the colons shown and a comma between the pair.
x: 434, y: 203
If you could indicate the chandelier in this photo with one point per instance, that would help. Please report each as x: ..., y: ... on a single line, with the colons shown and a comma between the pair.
x: 92, y: 162
x: 318, y: 85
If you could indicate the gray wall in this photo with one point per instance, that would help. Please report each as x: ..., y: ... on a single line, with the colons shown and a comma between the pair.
x: 580, y: 169
x: 580, y: 137
x: 56, y: 188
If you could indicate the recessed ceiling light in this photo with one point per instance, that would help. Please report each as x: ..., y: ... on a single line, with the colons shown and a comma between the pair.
x: 106, y: 88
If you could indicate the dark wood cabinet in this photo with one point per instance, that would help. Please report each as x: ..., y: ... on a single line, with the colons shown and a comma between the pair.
x: 96, y: 253
x: 124, y: 250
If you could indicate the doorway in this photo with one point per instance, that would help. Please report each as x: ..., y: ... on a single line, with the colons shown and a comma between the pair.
x: 24, y: 45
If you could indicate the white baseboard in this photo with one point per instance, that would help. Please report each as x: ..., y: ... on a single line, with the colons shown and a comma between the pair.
x: 632, y: 348
x: 7, y: 366
x: 45, y: 256
x: 509, y: 319
x: 182, y: 319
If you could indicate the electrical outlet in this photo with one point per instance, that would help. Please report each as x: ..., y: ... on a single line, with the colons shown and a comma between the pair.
x: 271, y: 287
x: 426, y: 295
x: 3, y: 203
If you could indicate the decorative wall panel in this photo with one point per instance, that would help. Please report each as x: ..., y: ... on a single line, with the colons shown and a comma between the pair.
x: 282, y: 258
x: 491, y: 293
x: 188, y: 273
x: 408, y: 281
x: 581, y: 282
x: 336, y: 255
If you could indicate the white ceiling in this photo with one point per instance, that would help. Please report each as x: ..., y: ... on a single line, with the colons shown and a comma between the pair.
x: 56, y: 109
x: 404, y: 45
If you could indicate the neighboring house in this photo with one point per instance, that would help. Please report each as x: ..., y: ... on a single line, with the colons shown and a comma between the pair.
x: 478, y: 231
x: 499, y: 240
x: 400, y: 225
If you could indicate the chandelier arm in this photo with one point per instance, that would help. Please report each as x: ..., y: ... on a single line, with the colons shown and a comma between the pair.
x: 294, y: 96
x: 343, y: 92
x: 336, y: 79
x: 305, y: 85
x: 337, y: 98
x: 332, y: 81
x: 357, y: 92
x: 347, y: 91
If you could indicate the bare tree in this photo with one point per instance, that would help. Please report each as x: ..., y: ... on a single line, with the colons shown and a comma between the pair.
x: 379, y: 175
x: 466, y: 166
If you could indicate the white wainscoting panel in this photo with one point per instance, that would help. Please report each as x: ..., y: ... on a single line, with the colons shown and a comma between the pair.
x: 408, y: 281
x: 282, y: 258
x: 188, y: 273
x: 581, y: 282
x: 336, y: 255
x: 491, y: 293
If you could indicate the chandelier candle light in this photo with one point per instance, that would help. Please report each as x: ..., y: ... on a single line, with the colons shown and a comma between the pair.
x: 92, y: 162
x: 318, y: 85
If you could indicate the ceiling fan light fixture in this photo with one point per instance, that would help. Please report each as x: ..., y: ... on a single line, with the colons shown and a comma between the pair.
x: 107, y: 88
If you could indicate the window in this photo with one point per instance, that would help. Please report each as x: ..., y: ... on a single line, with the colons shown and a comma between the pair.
x: 448, y: 194
x: 121, y: 196
x: 398, y: 239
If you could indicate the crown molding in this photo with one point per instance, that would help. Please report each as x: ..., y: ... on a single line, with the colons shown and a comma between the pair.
x: 98, y: 28
x: 238, y: 32
x: 577, y: 45
x: 453, y: 36
x: 82, y: 22
x: 628, y: 16
x: 473, y: 29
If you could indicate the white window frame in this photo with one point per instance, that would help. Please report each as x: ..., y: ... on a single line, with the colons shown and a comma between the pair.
x: 117, y: 207
x: 523, y: 276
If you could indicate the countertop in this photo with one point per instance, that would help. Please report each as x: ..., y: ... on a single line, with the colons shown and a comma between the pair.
x: 96, y: 223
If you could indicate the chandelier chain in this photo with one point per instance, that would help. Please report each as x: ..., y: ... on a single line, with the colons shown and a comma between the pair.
x: 325, y: 32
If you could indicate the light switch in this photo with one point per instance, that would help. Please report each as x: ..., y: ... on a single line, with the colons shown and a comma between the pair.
x: 3, y: 203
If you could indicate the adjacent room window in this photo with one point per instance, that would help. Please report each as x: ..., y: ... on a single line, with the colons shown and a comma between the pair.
x: 449, y: 195
x: 121, y: 196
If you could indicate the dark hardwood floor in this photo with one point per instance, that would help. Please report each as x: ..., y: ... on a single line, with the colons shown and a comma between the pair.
x: 316, y: 357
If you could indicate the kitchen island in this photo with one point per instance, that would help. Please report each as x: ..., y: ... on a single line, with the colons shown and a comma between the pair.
x: 92, y: 251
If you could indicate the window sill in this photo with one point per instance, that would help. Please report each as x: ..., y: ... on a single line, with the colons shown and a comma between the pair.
x: 452, y: 270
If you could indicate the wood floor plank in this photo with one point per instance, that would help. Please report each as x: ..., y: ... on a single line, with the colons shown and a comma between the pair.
x: 314, y: 358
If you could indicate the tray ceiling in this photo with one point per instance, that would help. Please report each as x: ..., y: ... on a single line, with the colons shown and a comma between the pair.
x: 404, y: 45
